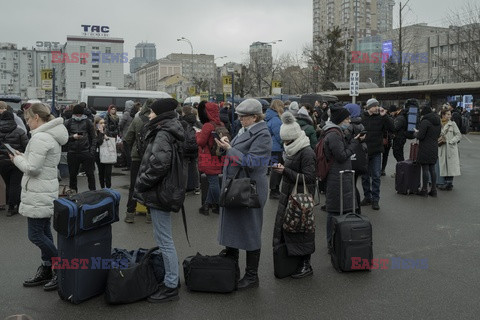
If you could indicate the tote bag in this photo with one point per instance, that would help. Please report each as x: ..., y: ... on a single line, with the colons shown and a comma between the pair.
x: 108, y: 151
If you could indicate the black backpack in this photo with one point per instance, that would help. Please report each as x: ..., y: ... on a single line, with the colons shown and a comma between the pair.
x: 140, y: 140
x: 190, y: 146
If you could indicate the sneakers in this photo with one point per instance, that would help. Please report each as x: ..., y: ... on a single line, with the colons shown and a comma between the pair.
x: 375, y: 205
x: 130, y: 217
x: 196, y: 191
x: 148, y: 218
x: 43, y: 275
x: 366, y: 202
x: 304, y: 271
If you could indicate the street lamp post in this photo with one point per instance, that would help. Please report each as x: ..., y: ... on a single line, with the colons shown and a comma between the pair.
x: 271, y: 67
x: 191, y: 47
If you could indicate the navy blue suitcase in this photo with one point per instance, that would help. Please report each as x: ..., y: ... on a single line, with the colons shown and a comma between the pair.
x: 85, y: 211
x: 78, y: 283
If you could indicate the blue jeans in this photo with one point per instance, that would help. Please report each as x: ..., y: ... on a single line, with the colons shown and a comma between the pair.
x: 372, y: 191
x: 162, y: 231
x: 40, y: 234
x: 213, y: 194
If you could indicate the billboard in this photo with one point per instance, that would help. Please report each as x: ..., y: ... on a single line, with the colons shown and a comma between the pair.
x: 387, y: 49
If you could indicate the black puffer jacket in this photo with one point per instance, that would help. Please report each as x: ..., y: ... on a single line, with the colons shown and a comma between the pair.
x: 376, y: 126
x: 156, y: 162
x: 82, y: 126
x: 112, y: 127
x: 400, y: 127
x: 427, y: 135
x: 336, y: 148
x: 11, y: 134
x: 302, y: 162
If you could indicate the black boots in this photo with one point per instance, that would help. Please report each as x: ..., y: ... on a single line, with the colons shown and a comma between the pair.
x: 215, y: 208
x: 164, y: 294
x: 43, y: 275
x: 250, y: 279
x: 304, y: 270
x: 204, y: 209
x: 52, y: 284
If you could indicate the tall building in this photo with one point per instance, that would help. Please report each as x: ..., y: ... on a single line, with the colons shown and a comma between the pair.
x: 202, y: 65
x: 373, y: 17
x: 145, y: 53
x: 148, y: 76
x: 20, y: 69
x: 103, y: 65
x: 260, y: 53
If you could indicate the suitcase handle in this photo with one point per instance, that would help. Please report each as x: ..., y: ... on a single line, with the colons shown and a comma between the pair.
x: 341, y: 189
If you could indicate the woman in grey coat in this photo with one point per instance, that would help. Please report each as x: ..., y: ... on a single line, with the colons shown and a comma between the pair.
x: 242, y: 228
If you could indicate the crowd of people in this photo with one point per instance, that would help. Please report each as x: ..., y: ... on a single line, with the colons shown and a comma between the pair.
x: 273, y: 147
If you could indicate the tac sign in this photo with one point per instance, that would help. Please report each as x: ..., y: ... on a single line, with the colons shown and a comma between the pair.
x: 354, y: 83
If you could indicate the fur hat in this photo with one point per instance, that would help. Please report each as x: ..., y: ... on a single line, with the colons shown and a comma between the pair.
x: 338, y: 115
x: 290, y: 130
x: 164, y: 105
x: 78, y: 109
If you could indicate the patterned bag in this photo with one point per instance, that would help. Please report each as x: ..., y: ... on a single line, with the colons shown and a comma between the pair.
x: 299, y: 215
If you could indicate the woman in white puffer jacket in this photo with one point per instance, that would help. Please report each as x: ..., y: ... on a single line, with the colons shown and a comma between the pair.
x: 40, y: 185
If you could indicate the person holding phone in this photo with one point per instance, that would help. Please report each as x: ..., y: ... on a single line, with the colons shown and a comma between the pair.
x: 104, y: 169
x: 15, y: 138
x: 40, y: 186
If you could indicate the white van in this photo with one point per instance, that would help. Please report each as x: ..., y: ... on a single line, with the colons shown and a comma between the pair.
x: 101, y: 98
x: 191, y: 100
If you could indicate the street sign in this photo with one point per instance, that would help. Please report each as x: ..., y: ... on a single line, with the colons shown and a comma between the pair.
x: 192, y: 91
x: 227, y: 84
x: 47, y: 79
x: 203, y: 95
x: 354, y: 83
x: 276, y: 87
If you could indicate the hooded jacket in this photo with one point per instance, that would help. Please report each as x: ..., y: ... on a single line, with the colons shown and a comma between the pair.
x: 10, y: 133
x: 135, y: 127
x: 126, y: 118
x: 376, y: 126
x: 207, y: 163
x: 84, y: 127
x: 274, y: 123
x: 427, y: 135
x: 306, y: 123
x: 39, y: 165
x: 157, y: 162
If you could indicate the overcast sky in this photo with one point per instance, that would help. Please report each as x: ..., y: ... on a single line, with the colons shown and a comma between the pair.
x: 222, y: 28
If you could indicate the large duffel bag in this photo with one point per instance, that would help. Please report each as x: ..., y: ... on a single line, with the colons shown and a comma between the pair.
x: 210, y: 273
x: 85, y: 211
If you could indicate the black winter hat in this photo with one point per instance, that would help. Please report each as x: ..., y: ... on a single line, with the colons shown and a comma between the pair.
x: 164, y: 105
x: 425, y: 110
x: 338, y: 115
x: 78, y: 109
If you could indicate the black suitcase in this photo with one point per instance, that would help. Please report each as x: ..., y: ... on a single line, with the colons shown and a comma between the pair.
x: 204, y: 185
x: 283, y: 264
x: 78, y: 284
x: 407, y: 177
x: 351, y: 236
x: 210, y: 273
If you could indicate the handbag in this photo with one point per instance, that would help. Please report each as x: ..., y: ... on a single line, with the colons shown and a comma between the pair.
x: 131, y: 284
x: 441, y: 141
x: 299, y: 215
x: 240, y: 192
x: 108, y: 151
x: 210, y: 273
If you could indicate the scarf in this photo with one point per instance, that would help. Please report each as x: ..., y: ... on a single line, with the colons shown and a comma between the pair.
x: 152, y: 124
x: 444, y: 122
x: 298, y: 144
x: 82, y: 117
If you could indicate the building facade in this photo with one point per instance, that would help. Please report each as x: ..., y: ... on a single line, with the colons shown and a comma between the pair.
x: 148, y: 76
x: 198, y: 66
x: 102, y: 66
x: 145, y: 53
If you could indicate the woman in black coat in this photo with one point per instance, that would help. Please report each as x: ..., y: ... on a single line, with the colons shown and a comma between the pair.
x: 12, y: 176
x: 299, y: 160
x: 427, y: 134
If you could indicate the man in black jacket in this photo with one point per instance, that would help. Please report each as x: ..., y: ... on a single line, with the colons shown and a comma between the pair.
x: 376, y: 124
x: 80, y: 147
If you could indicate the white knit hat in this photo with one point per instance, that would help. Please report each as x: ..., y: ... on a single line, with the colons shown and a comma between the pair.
x: 290, y: 130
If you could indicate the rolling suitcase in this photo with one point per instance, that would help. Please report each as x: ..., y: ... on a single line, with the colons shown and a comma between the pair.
x: 351, y: 235
x: 78, y: 283
x: 204, y: 185
x: 407, y: 177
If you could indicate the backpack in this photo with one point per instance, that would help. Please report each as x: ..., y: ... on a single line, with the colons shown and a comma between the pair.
x: 299, y: 215
x: 215, y: 150
x: 141, y: 144
x: 324, y: 164
x: 190, y: 146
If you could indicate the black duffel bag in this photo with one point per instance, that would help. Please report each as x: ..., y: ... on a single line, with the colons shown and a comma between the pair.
x: 134, y: 283
x: 210, y: 273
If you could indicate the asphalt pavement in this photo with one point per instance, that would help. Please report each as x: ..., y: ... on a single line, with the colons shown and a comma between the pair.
x: 445, y: 231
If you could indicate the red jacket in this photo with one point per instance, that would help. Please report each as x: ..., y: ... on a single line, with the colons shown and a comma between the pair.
x: 207, y: 163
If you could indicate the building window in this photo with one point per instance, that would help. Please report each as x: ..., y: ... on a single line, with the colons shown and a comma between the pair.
x: 83, y: 61
x: 83, y: 85
x: 435, y: 64
x: 95, y: 48
x: 82, y: 48
x: 3, y: 65
x: 108, y: 50
x: 108, y: 84
x: 454, y: 48
x: 4, y: 88
x: 477, y: 58
x: 108, y: 74
x: 454, y: 62
x: 95, y: 72
x: 95, y: 66
x: 96, y: 83
x: 83, y: 73
x: 4, y: 76
x: 95, y: 78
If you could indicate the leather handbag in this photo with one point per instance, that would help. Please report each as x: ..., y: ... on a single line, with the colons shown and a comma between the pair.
x: 240, y: 192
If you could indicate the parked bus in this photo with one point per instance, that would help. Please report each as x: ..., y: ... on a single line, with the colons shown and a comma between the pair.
x: 13, y: 101
x: 101, y: 98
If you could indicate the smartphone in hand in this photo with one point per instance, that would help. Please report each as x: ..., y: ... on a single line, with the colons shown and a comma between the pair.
x: 215, y: 135
x: 10, y: 150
